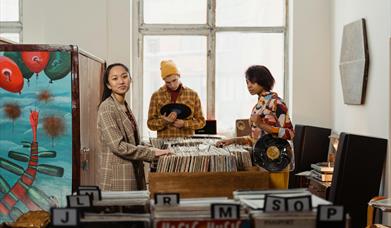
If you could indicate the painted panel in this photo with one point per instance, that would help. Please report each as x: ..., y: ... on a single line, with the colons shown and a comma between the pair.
x: 35, y: 131
x: 354, y: 62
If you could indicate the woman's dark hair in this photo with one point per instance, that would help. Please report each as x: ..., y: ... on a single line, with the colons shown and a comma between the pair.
x: 261, y: 75
x: 106, y: 90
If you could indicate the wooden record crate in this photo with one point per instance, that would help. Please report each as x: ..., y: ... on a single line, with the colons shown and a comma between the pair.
x: 215, y: 184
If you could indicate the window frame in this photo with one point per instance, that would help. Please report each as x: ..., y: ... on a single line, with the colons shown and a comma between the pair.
x: 14, y: 26
x: 140, y: 29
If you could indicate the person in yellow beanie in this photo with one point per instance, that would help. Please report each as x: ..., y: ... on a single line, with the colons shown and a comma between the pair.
x: 168, y: 68
x: 173, y: 91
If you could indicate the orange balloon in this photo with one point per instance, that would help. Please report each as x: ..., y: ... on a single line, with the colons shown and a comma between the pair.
x: 11, y: 78
x: 36, y: 61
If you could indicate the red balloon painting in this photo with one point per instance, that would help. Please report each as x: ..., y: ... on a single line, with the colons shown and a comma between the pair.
x: 36, y: 61
x: 11, y: 78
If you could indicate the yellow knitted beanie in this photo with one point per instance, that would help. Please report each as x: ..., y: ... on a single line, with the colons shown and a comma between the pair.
x: 168, y: 68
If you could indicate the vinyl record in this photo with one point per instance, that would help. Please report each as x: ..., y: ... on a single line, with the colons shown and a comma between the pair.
x: 272, y: 153
x: 182, y: 111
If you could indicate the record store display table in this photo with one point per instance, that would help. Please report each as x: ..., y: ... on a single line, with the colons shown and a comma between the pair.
x: 212, y: 184
x: 200, y: 169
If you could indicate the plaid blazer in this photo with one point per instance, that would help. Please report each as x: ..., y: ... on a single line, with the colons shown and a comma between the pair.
x: 121, y: 161
x: 186, y: 96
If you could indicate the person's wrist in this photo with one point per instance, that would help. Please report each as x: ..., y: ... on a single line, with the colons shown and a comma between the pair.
x: 261, y: 125
x: 166, y: 122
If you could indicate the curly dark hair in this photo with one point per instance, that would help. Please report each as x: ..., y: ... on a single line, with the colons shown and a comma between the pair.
x: 261, y: 75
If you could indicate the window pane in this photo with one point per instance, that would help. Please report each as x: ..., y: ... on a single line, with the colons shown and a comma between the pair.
x: 250, y: 13
x: 175, y: 11
x: 11, y: 36
x: 233, y: 100
x: 189, y: 54
x: 9, y: 10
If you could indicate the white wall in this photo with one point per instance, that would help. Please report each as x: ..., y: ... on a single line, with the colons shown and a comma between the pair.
x: 309, y: 59
x: 119, y: 31
x: 316, y: 93
x: 100, y: 27
x: 372, y: 118
x: 388, y: 161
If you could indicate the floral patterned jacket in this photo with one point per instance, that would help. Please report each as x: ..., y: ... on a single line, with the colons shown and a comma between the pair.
x: 274, y: 112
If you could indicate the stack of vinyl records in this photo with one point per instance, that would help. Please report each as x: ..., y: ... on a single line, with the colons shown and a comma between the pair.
x: 205, y: 158
x: 254, y: 201
x: 125, y: 198
x: 322, y: 171
x: 193, y: 212
x: 119, y: 208
x: 164, y: 143
x: 116, y: 220
x: 188, y: 208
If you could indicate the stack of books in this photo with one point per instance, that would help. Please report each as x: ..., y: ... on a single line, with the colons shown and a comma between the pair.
x: 322, y: 171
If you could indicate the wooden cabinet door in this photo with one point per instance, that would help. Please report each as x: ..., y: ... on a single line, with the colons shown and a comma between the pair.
x: 90, y: 91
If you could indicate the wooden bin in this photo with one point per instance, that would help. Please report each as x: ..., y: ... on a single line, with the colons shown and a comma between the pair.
x: 214, y: 184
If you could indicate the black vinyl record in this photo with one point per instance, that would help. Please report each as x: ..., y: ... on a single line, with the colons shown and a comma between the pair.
x: 183, y: 111
x: 272, y: 153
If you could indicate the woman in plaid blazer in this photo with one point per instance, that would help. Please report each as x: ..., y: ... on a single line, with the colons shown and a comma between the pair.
x: 121, y: 155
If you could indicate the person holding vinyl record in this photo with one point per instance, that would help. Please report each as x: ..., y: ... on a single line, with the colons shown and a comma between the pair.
x: 175, y: 109
x: 121, y: 156
x: 270, y: 113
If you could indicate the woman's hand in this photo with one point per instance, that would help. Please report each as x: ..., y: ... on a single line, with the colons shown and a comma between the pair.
x: 225, y: 142
x: 160, y: 152
x: 257, y: 120
x: 260, y: 122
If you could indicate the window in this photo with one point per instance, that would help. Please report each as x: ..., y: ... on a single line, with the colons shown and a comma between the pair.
x: 212, y: 42
x: 10, y: 20
x: 188, y: 52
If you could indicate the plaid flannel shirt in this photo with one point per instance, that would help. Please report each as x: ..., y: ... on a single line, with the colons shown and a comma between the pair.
x: 186, y: 96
